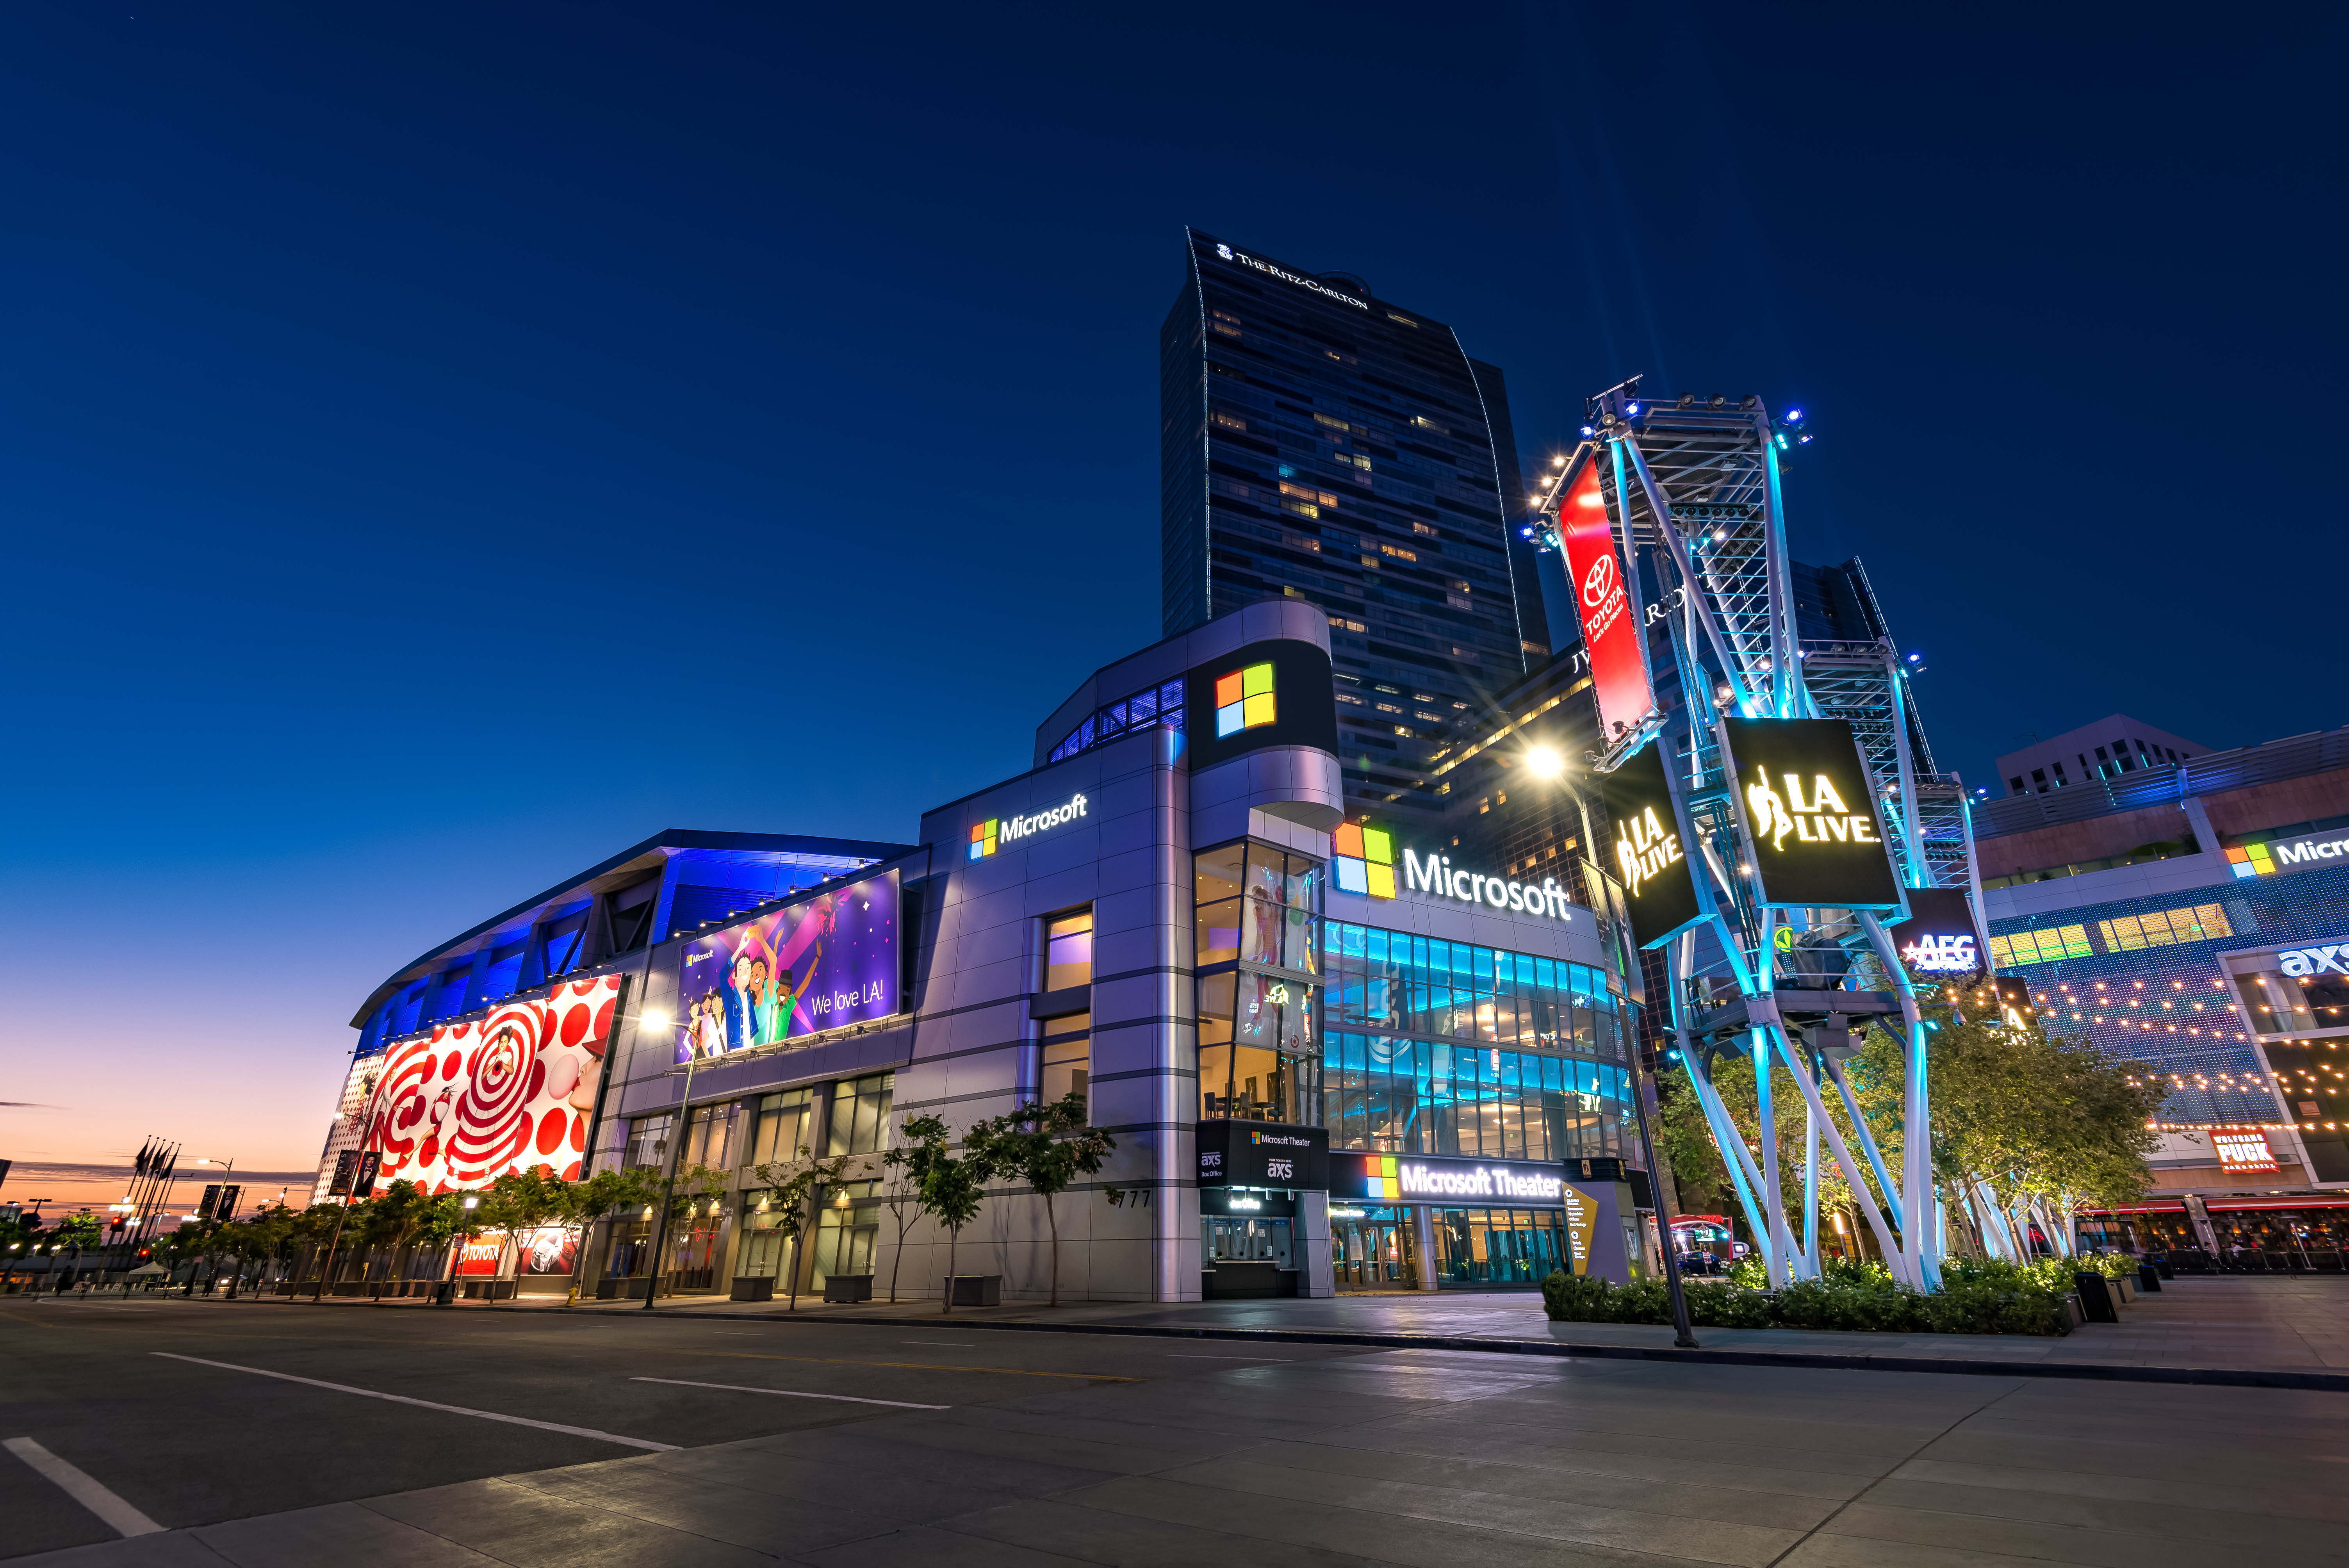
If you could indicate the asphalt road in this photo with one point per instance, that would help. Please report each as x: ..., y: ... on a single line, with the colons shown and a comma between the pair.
x: 252, y: 1435
x: 99, y: 1383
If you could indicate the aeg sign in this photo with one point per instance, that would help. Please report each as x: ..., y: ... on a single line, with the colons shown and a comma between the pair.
x: 1610, y: 634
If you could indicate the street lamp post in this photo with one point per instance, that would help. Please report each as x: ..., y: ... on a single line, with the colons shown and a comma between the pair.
x: 447, y: 1295
x: 228, y: 1168
x: 676, y: 1154
x: 1545, y: 763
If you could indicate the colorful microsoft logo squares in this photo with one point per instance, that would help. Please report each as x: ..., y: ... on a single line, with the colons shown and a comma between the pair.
x: 1243, y: 700
x: 1363, y: 860
x: 2251, y: 861
x: 982, y: 838
x: 1380, y: 1178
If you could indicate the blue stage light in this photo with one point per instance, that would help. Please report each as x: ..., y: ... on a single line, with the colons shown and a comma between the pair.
x: 1632, y: 409
x: 1912, y: 658
x: 1526, y: 532
x: 1793, y: 416
x: 1586, y: 430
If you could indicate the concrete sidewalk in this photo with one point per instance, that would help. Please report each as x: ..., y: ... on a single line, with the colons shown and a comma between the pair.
x: 2292, y: 1325
x: 2288, y: 1332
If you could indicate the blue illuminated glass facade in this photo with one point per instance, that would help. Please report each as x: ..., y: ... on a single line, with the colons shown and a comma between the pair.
x: 1442, y: 1047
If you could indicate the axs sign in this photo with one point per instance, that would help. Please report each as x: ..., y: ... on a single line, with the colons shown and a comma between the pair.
x: 1610, y: 631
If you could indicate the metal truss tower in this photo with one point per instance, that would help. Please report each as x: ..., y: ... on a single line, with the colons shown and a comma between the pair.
x: 1692, y: 493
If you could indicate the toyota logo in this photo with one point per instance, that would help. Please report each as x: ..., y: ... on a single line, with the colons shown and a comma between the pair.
x: 1599, y: 582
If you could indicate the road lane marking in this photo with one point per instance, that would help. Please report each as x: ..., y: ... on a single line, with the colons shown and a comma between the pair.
x: 76, y: 1484
x: 791, y: 1393
x: 432, y: 1405
x: 953, y: 1343
x: 1187, y: 1356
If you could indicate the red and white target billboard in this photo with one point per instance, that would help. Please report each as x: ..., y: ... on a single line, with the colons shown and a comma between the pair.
x: 1611, y: 635
x: 510, y: 1092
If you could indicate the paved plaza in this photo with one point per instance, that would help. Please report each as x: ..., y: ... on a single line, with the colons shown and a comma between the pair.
x: 175, y: 1432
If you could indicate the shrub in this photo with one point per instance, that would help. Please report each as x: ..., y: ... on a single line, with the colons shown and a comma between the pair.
x: 1976, y: 1297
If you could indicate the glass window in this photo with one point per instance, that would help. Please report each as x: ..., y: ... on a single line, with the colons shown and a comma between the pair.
x: 1068, y: 951
x: 1278, y: 926
x: 1259, y: 1059
x: 2164, y: 928
x: 2041, y: 946
x: 709, y: 1137
x: 781, y: 1132
x: 1067, y: 1057
x: 1215, y: 876
x: 649, y: 1141
x: 860, y: 1114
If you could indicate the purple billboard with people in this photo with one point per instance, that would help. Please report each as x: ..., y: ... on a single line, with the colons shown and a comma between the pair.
x: 818, y: 965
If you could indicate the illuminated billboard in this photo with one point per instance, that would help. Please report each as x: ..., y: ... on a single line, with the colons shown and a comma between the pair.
x: 1276, y: 692
x: 1652, y: 862
x: 1938, y: 939
x: 1611, y: 632
x: 816, y: 965
x: 1809, y: 811
x: 508, y: 1092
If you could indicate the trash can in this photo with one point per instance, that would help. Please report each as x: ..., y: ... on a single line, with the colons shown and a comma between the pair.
x: 2148, y: 1278
x: 2097, y: 1299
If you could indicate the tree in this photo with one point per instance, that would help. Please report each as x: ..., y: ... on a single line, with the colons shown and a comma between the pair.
x: 395, y: 1218
x: 1048, y: 1147
x: 924, y: 1143
x: 635, y: 1187
x: 953, y: 1190
x: 520, y: 1202
x: 790, y: 1183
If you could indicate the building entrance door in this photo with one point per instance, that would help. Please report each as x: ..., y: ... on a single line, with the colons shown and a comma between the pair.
x: 1373, y: 1250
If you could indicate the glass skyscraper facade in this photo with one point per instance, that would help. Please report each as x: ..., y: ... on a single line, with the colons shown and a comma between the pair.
x: 1322, y: 444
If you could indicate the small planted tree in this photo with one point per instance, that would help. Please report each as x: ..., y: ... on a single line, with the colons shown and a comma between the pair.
x: 1047, y: 1146
x: 790, y: 1184
x: 953, y: 1190
x: 924, y: 1143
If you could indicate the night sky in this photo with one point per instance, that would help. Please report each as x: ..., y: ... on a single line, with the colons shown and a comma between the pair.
x: 405, y: 410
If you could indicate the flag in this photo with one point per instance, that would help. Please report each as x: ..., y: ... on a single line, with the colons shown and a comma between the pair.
x: 141, y: 1166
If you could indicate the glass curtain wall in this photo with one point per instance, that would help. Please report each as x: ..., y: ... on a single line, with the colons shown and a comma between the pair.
x: 1473, y: 1051
x: 1259, y: 953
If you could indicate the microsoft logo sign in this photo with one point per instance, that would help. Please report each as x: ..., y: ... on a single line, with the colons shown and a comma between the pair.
x: 1244, y: 699
x: 984, y: 838
x: 1362, y: 859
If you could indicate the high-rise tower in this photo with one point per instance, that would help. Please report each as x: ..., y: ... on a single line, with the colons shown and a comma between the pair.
x: 1319, y: 443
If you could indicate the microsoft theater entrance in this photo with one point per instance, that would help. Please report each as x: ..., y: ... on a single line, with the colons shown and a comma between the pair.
x: 1372, y: 1249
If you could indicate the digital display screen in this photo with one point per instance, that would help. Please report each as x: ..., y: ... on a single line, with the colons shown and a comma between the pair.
x: 1810, y: 813
x: 1651, y: 863
x: 510, y: 1092
x: 815, y: 965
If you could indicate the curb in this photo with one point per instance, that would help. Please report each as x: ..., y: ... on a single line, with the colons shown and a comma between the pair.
x: 2090, y: 1372
x: 1561, y: 1350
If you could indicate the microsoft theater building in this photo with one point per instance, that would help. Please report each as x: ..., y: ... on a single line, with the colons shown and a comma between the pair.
x: 1333, y: 1058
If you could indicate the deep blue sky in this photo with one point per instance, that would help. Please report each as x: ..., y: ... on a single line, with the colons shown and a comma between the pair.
x: 441, y: 445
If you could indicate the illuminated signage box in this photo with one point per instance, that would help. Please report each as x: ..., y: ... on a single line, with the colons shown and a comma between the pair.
x: 1938, y: 939
x: 1445, y: 1180
x: 1264, y: 1154
x: 1612, y: 632
x: 1277, y: 692
x: 1653, y: 860
x: 1809, y: 811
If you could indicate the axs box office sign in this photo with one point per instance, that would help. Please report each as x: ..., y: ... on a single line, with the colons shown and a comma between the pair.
x: 1809, y: 813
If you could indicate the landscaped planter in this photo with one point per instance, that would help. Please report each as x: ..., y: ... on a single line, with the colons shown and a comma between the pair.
x: 753, y: 1287
x: 975, y: 1290
x: 852, y: 1288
